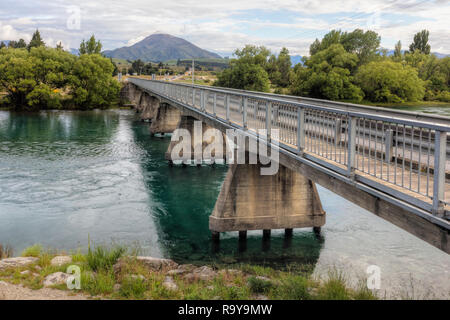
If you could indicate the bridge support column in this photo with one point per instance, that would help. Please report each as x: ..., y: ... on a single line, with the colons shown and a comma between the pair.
x: 251, y: 201
x: 149, y: 107
x: 198, y: 142
x: 166, y: 120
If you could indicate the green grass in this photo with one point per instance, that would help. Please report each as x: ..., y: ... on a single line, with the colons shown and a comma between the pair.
x: 135, y: 281
x: 133, y: 288
x: 101, y: 258
x: 258, y: 285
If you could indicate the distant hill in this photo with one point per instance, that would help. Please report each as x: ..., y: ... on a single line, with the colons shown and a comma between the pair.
x: 160, y: 47
x: 437, y: 54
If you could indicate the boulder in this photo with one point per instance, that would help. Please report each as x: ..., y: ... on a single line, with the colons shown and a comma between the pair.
x: 204, y: 273
x: 170, y: 284
x: 157, y: 264
x: 61, y: 260
x: 56, y: 278
x: 17, y: 262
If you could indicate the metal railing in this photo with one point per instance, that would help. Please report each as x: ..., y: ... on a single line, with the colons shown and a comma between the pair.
x: 396, y: 154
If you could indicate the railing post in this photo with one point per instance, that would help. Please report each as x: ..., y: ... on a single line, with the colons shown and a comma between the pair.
x: 440, y: 153
x: 215, y: 103
x: 193, y: 97
x: 300, y: 130
x: 337, y: 131
x: 351, y: 131
x: 269, y: 119
x: 389, y: 145
x: 202, y: 100
x: 244, y: 112
x: 227, y: 102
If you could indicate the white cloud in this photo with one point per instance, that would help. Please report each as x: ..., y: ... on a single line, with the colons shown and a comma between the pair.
x: 223, y: 26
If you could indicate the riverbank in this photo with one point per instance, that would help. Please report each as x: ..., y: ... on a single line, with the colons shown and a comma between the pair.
x: 116, y: 273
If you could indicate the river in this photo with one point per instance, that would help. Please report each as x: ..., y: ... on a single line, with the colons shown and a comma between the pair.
x: 67, y: 177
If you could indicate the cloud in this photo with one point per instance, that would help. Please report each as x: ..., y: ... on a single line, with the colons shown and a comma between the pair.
x: 223, y: 26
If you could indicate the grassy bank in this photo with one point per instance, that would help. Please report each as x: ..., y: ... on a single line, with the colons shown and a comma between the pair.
x: 102, y: 278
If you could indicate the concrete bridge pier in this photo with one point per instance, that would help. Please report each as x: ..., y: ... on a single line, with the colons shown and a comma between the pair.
x: 148, y: 107
x: 251, y: 201
x: 198, y: 143
x: 166, y: 119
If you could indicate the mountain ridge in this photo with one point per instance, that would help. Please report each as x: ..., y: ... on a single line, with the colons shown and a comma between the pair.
x: 160, y: 47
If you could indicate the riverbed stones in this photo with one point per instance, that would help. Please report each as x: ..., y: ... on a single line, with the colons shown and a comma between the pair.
x: 56, y: 278
x: 61, y: 260
x: 170, y: 284
x: 17, y: 262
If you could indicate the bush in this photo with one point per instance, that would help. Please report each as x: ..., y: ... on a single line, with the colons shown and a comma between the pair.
x: 33, y: 251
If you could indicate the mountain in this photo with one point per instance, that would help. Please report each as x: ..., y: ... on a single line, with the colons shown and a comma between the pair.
x: 160, y: 47
x: 437, y: 54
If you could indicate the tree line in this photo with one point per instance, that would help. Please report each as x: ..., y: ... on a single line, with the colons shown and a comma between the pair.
x: 35, y: 76
x: 346, y: 66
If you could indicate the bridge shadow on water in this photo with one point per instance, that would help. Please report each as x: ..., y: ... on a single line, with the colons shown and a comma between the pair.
x: 182, y: 198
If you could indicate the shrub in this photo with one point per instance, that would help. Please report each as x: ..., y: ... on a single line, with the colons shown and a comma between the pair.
x: 33, y: 251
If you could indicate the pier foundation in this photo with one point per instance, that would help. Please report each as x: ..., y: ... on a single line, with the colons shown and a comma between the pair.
x: 251, y: 201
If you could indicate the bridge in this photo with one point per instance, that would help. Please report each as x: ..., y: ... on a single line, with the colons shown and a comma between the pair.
x: 391, y: 163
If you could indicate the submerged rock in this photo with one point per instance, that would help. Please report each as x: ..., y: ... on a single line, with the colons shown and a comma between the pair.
x: 17, y: 262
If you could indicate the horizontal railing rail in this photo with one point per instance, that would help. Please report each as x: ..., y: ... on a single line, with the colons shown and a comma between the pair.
x: 400, y: 153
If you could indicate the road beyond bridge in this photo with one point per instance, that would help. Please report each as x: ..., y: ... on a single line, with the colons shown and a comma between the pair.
x: 392, y: 163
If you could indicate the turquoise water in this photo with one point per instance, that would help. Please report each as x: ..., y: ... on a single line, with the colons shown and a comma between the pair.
x: 66, y: 177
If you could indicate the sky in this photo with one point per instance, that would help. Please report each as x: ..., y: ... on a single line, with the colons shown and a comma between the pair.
x: 223, y: 26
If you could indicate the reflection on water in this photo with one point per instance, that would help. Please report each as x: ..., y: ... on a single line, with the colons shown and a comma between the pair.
x: 67, y: 176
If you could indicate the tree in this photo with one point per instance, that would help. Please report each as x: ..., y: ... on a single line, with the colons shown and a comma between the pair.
x: 138, y: 65
x: 398, y: 50
x: 284, y: 67
x: 363, y: 44
x: 59, y: 46
x: 21, y: 44
x: 389, y: 81
x: 91, y: 46
x: 327, y: 74
x: 2, y: 45
x: 421, y: 42
x: 248, y: 71
x: 12, y: 44
x: 33, y: 79
x: 36, y: 40
x: 91, y: 82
